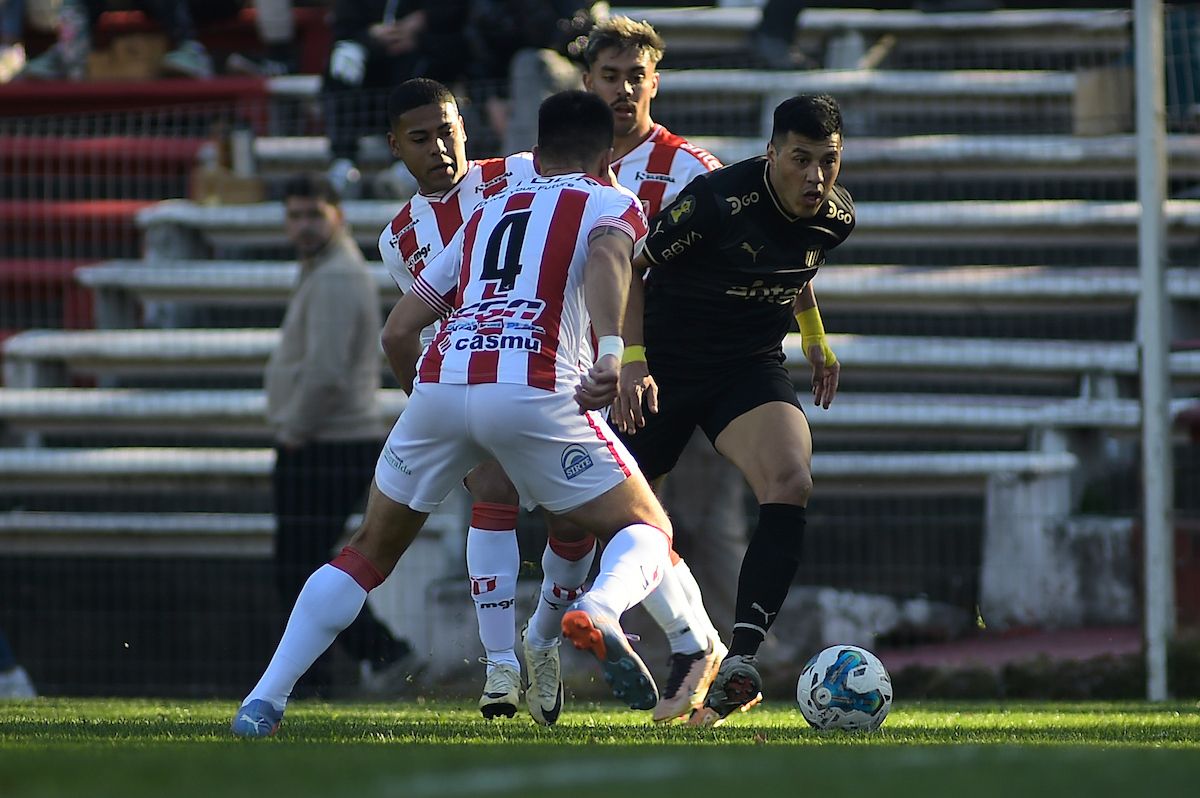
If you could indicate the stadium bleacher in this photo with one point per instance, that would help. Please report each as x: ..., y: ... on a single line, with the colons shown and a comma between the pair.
x: 121, y: 394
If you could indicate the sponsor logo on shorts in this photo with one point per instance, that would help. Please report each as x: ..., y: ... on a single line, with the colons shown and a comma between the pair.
x: 575, y: 460
x: 482, y: 584
x: 395, y: 462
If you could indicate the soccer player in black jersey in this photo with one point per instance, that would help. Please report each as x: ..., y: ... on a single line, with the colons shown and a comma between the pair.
x: 731, y: 260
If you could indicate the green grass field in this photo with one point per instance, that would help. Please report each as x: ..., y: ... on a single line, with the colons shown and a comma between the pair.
x: 97, y: 747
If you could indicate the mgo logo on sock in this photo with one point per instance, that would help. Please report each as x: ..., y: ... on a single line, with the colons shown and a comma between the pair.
x: 482, y: 584
x: 566, y: 593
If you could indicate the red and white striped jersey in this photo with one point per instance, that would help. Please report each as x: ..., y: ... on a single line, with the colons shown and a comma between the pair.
x: 658, y: 168
x: 511, y: 284
x: 426, y: 224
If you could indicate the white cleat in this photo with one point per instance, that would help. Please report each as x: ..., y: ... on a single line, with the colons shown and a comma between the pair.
x: 688, y: 682
x: 544, y: 694
x: 501, y: 692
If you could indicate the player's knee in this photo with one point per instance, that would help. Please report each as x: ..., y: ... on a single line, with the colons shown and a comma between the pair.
x: 565, y: 531
x: 654, y: 515
x: 788, y: 486
x: 489, y: 483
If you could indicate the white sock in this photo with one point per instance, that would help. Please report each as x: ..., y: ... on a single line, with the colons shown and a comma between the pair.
x: 562, y: 582
x: 668, y: 605
x: 632, y: 565
x: 691, y: 588
x: 328, y: 603
x: 493, y: 562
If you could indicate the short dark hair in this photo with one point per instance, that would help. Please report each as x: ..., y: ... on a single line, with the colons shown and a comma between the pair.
x: 413, y: 94
x: 814, y: 116
x: 310, y: 185
x: 573, y: 127
x: 622, y: 33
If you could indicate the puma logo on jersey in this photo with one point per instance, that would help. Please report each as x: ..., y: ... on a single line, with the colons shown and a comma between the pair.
x: 753, y: 252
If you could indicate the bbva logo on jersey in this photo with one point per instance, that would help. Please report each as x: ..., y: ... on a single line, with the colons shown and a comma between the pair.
x: 575, y: 460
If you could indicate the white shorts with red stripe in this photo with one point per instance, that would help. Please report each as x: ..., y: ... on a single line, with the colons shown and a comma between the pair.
x: 556, y: 456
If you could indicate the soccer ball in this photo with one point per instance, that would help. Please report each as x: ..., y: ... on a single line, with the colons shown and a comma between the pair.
x: 844, y: 687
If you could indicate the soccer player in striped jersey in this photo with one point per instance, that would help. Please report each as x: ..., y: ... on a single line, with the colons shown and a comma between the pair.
x: 523, y: 281
x: 427, y: 134
x: 621, y: 59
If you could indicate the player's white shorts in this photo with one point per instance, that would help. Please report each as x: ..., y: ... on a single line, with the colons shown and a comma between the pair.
x: 554, y: 455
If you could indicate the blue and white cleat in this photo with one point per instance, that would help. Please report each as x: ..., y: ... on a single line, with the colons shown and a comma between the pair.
x: 256, y: 718
x: 595, y: 631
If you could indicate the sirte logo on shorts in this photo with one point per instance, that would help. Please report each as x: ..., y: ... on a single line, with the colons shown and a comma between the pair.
x: 396, y: 463
x: 575, y: 460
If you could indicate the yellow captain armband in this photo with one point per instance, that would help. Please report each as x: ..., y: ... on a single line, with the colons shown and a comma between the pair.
x: 634, y: 353
x: 812, y: 333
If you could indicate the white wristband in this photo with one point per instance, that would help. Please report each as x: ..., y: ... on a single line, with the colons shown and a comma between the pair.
x: 610, y: 345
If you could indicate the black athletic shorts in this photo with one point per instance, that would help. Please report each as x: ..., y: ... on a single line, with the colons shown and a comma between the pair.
x: 710, y: 402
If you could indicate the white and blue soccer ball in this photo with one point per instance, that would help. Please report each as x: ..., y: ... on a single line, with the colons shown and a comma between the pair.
x: 844, y: 687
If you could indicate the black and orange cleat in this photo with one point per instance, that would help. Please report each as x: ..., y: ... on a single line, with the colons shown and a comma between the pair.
x: 737, y: 688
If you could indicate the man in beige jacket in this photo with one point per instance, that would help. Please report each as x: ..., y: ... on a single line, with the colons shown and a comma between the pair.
x: 321, y: 385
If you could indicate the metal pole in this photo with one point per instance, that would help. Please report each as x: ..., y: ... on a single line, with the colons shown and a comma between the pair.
x: 1153, y: 326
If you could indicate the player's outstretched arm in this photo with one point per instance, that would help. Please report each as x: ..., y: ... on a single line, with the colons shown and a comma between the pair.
x: 826, y: 368
x: 401, y: 338
x: 607, y: 274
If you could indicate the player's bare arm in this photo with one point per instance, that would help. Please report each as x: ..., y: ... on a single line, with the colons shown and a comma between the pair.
x: 607, y: 276
x: 637, y: 392
x: 826, y: 368
x: 401, y: 338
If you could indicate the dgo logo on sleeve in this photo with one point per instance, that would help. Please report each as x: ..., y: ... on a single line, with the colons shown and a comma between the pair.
x: 575, y: 460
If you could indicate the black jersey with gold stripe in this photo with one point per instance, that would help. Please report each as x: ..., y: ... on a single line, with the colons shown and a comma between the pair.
x: 728, y: 260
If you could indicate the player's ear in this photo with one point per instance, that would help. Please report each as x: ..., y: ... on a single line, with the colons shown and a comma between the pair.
x: 462, y: 126
x: 537, y: 162
x: 604, y: 169
x: 772, y: 153
x: 654, y: 85
x: 393, y: 145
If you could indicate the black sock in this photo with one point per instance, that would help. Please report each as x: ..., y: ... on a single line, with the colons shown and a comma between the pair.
x: 767, y: 573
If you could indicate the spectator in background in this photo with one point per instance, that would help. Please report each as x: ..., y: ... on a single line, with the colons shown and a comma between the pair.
x: 277, y: 31
x: 14, y: 681
x: 771, y: 41
x: 378, y: 44
x: 523, y: 51
x: 321, y: 384
x: 188, y: 58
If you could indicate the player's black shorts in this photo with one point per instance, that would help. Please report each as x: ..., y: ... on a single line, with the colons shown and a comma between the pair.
x: 710, y: 402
